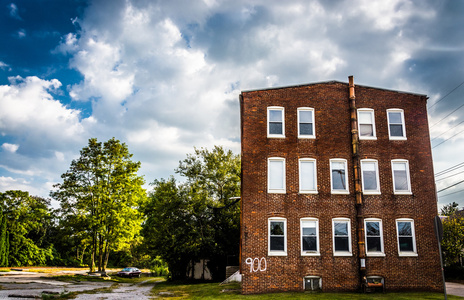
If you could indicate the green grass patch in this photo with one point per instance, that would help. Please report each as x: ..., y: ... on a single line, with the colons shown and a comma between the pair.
x: 173, y: 290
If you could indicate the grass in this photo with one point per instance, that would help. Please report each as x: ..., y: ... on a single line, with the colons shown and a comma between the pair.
x: 174, y: 291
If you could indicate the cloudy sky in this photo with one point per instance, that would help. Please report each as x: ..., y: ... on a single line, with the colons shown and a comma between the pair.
x: 164, y: 76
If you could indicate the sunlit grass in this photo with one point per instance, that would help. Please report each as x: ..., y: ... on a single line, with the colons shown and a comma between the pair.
x: 174, y: 290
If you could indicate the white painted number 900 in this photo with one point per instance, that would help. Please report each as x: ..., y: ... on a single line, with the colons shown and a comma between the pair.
x: 256, y: 264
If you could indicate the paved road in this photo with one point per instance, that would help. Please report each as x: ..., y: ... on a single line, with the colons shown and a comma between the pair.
x: 455, y: 289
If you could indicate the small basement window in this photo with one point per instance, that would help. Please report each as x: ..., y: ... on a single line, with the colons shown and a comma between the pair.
x: 374, y: 284
x: 312, y: 283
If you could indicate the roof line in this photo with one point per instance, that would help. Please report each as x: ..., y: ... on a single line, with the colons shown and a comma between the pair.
x: 328, y: 82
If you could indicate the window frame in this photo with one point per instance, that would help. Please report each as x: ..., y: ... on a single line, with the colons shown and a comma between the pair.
x: 271, y: 252
x: 408, y: 177
x: 275, y: 190
x: 282, y: 110
x: 300, y: 177
x: 374, y: 134
x: 342, y: 253
x: 312, y: 287
x: 403, y: 124
x: 413, y: 233
x: 306, y: 252
x: 382, y: 246
x: 377, y: 177
x: 306, y: 136
x: 347, y: 183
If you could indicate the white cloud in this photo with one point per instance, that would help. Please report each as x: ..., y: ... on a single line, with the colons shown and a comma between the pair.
x: 10, y: 147
x: 14, y: 11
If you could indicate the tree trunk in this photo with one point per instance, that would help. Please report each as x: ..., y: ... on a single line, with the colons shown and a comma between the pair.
x: 107, y: 255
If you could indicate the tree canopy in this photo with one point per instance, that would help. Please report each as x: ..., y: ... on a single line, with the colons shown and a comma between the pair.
x: 197, y: 219
x: 99, y: 199
x: 25, y: 221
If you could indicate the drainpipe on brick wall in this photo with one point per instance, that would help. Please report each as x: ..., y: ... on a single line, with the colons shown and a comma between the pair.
x: 357, y: 182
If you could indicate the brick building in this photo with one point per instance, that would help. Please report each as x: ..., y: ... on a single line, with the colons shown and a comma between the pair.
x: 337, y: 190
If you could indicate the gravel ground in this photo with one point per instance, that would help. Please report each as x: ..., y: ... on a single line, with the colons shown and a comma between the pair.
x: 33, y: 284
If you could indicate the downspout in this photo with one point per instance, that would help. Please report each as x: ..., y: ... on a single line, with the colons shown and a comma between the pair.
x: 357, y: 183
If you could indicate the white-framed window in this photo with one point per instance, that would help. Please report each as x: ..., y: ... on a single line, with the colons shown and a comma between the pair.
x: 341, y: 232
x: 401, y: 178
x: 370, y: 177
x: 374, y: 237
x: 406, y: 237
x: 339, y: 176
x: 306, y: 127
x: 275, y: 122
x: 366, y: 124
x: 309, y: 236
x: 307, y: 176
x: 312, y: 283
x: 277, y: 236
x: 396, y: 126
x: 276, y: 175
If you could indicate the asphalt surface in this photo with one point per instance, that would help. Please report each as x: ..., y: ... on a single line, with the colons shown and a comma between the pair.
x: 455, y: 289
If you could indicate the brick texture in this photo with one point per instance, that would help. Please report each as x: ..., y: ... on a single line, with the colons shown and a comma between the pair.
x: 331, y: 105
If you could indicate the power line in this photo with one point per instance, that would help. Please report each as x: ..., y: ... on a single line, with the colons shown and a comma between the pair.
x: 446, y: 95
x: 450, y: 169
x: 447, y: 115
x: 448, y: 138
x: 449, y: 176
x: 450, y: 186
x: 452, y: 193
x: 447, y: 131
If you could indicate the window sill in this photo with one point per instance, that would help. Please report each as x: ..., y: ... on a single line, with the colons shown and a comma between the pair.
x: 371, y: 138
x: 375, y: 254
x: 308, y: 192
x: 276, y: 192
x: 371, y: 193
x: 343, y: 254
x: 402, y: 193
x: 408, y: 254
x: 306, y: 253
x: 276, y: 136
x: 340, y: 192
x: 277, y: 253
x: 307, y: 137
x: 398, y: 138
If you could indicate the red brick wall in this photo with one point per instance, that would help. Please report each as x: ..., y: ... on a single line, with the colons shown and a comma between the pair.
x: 333, y: 140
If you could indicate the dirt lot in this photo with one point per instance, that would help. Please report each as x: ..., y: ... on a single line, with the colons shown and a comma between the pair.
x: 36, y: 281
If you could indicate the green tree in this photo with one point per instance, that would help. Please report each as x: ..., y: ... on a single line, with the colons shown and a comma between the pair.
x: 100, y: 196
x: 453, y: 239
x: 26, y: 220
x: 200, y: 218
x: 449, y: 209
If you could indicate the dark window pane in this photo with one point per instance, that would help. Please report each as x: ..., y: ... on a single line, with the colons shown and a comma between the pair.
x: 277, y: 228
x: 309, y: 243
x: 404, y: 228
x: 373, y: 244
x: 341, y: 244
x: 396, y: 130
x: 306, y: 129
x: 373, y: 228
x: 316, y: 284
x: 366, y: 130
x: 275, y: 128
x: 338, y: 179
x: 277, y: 243
x: 406, y: 244
x: 370, y: 180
